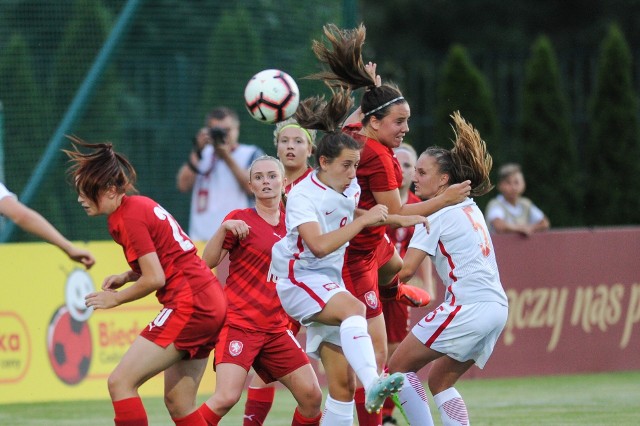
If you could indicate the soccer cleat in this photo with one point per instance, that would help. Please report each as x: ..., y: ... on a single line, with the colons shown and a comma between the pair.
x: 412, y: 296
x: 381, y: 390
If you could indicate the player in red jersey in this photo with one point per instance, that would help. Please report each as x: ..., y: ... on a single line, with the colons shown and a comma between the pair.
x: 294, y: 145
x: 163, y: 260
x: 255, y: 333
x: 379, y: 124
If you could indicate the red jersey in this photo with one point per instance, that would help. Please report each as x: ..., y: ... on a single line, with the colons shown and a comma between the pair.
x: 253, y: 302
x: 141, y: 226
x: 379, y: 171
x: 400, y: 237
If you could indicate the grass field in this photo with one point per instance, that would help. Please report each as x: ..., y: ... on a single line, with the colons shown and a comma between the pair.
x: 594, y: 399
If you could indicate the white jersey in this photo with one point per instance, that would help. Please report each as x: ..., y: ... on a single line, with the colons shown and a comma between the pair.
x: 523, y: 213
x: 461, y: 249
x: 216, y: 191
x: 312, y: 201
x: 4, y: 192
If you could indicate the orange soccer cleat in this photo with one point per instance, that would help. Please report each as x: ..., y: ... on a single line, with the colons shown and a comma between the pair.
x: 412, y: 296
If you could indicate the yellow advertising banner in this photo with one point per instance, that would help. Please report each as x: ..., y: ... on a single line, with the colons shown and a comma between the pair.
x: 51, y: 347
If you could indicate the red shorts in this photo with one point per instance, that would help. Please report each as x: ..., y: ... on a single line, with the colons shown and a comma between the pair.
x: 272, y: 355
x: 192, y: 328
x: 360, y: 275
x: 396, y: 320
x: 384, y: 251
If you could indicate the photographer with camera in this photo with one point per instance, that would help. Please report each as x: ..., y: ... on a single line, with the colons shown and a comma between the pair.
x: 216, y: 172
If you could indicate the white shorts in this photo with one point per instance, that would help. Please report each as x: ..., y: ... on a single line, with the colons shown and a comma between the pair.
x: 463, y: 332
x: 317, y: 334
x: 305, y: 295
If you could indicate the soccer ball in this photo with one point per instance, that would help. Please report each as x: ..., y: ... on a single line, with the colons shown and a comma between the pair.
x: 271, y: 96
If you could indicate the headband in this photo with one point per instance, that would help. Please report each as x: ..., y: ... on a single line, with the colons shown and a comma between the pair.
x: 384, y: 105
x: 298, y: 127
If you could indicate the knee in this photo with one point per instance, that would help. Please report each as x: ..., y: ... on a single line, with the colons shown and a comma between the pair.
x: 179, y: 407
x: 224, y: 400
x: 119, y: 387
x: 356, y: 308
x: 310, y: 399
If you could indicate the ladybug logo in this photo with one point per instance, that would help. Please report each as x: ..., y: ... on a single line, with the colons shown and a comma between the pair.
x: 371, y: 299
x: 235, y: 348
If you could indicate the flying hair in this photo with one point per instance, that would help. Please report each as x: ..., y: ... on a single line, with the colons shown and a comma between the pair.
x: 94, y: 172
x: 346, y: 67
x: 318, y: 114
x: 470, y: 157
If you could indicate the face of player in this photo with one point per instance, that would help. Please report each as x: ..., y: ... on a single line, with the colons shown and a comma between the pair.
x: 230, y: 126
x: 390, y: 131
x: 266, y: 180
x: 294, y: 149
x: 428, y: 180
x: 512, y: 187
x: 108, y: 202
x: 408, y: 164
x: 339, y: 172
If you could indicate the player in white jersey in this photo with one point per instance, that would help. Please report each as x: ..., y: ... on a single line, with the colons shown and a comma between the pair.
x: 463, y: 330
x: 308, y: 265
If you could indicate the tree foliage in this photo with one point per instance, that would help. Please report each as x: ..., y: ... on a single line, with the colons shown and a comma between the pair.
x: 463, y: 88
x: 549, y: 154
x: 613, y: 148
x: 24, y: 108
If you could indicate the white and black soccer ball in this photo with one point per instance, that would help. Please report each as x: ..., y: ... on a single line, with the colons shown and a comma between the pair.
x: 271, y: 96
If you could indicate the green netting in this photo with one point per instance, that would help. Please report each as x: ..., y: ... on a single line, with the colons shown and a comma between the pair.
x: 178, y: 59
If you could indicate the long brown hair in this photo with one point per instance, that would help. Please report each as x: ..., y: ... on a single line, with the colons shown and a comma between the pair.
x: 347, y: 70
x: 101, y: 168
x: 316, y: 113
x: 467, y: 160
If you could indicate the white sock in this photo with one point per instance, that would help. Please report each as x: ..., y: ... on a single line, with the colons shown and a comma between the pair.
x: 413, y: 399
x: 358, y: 349
x: 337, y: 413
x: 453, y: 410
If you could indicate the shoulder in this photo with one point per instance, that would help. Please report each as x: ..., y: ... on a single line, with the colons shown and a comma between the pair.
x: 239, y: 214
x: 525, y: 202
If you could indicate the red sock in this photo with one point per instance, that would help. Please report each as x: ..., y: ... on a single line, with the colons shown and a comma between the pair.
x: 208, y: 415
x: 364, y: 418
x: 193, y: 419
x: 387, y: 408
x: 130, y: 412
x: 300, y: 420
x: 259, y: 401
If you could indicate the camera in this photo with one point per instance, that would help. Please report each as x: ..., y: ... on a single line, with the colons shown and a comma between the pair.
x: 217, y: 135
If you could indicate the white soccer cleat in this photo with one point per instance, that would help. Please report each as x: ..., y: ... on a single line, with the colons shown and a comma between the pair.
x: 381, y: 390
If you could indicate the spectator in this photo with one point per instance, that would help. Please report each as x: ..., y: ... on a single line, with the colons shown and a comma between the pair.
x: 510, y: 211
x: 217, y: 173
x: 33, y: 222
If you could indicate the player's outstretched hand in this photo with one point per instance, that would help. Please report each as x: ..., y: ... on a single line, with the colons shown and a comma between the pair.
x: 376, y: 215
x: 101, y: 300
x: 82, y: 256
